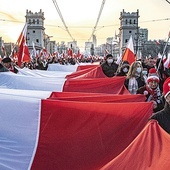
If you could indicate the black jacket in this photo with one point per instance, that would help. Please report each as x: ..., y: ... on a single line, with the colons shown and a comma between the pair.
x: 3, y: 68
x: 109, y: 71
x: 163, y: 118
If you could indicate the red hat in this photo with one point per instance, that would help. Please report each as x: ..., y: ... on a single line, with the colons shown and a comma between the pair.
x: 153, y: 75
x: 166, y: 87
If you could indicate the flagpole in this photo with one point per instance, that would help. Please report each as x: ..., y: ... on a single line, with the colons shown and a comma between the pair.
x: 16, y: 44
x: 163, y: 52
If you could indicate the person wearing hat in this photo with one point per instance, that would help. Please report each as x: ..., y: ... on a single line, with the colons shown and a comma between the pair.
x: 163, y: 116
x: 3, y: 69
x: 109, y: 67
x: 152, y: 91
x: 7, y: 62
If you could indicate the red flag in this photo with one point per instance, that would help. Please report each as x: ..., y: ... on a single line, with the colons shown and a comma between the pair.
x: 129, y: 52
x: 22, y: 35
x: 23, y: 53
x: 70, y: 52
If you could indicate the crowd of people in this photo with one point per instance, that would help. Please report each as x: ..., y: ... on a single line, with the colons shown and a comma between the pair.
x: 147, y: 77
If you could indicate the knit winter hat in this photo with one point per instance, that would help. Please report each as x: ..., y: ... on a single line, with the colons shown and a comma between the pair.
x: 153, y: 75
x: 166, y: 87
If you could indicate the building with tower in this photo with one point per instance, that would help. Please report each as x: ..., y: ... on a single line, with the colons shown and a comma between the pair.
x: 129, y: 26
x: 36, y: 32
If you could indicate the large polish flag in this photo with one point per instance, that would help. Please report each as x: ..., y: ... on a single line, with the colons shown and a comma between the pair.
x: 42, y: 131
x: 51, y: 129
x: 91, y: 80
x: 129, y: 54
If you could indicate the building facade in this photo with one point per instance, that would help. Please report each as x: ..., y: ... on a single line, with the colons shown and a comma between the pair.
x: 36, y: 32
x: 129, y: 26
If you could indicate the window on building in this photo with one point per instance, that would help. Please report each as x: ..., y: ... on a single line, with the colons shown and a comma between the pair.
x: 126, y: 40
x: 29, y: 22
x: 38, y: 21
x: 37, y: 40
x: 33, y: 31
x: 134, y: 21
x: 130, y: 31
x: 33, y: 21
x: 126, y: 21
x: 130, y: 21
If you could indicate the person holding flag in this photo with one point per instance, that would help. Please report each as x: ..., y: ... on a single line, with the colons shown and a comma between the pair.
x: 7, y: 63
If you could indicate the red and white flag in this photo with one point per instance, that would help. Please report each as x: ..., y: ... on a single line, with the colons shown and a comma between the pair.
x: 34, y: 50
x: 157, y: 42
x: 23, y: 52
x: 2, y: 47
x: 129, y: 54
x: 37, y: 132
x: 166, y: 61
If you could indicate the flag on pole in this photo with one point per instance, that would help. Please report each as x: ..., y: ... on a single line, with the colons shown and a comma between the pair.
x: 70, y: 52
x: 34, y: 50
x: 3, y: 49
x: 157, y: 42
x: 166, y: 61
x: 129, y: 52
x: 23, y: 52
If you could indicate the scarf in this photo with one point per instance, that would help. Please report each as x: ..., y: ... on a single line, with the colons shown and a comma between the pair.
x: 154, y: 94
x: 133, y: 85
